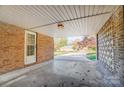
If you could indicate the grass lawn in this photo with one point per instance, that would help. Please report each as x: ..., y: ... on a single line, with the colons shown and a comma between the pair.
x: 56, y: 53
x: 91, y: 56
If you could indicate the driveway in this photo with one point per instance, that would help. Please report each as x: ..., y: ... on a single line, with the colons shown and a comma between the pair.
x: 72, y: 70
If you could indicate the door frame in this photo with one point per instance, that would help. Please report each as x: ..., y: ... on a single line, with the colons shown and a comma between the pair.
x: 25, y: 47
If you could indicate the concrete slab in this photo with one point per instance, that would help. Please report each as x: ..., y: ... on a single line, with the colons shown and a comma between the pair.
x: 69, y: 72
x: 17, y: 73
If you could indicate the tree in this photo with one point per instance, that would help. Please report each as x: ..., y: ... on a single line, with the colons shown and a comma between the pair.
x: 75, y: 44
x: 61, y: 42
x: 88, y: 42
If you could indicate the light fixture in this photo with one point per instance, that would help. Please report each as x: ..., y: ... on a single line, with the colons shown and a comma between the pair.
x: 60, y: 26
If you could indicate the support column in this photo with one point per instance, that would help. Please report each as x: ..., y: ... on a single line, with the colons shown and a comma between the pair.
x: 97, y: 46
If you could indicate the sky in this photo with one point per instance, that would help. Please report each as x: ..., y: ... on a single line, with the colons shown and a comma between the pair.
x: 70, y: 39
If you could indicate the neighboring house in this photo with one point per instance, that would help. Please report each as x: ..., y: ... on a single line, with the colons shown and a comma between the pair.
x: 20, y: 48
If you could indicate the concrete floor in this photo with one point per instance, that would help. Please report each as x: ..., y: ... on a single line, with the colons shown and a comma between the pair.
x: 72, y: 70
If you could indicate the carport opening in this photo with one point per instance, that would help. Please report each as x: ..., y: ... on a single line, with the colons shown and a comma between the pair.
x: 84, y: 45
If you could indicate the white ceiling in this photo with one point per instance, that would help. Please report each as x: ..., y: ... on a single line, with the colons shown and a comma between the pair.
x: 77, y: 20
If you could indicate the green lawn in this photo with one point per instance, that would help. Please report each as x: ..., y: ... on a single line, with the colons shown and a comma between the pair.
x: 56, y: 53
x: 91, y: 56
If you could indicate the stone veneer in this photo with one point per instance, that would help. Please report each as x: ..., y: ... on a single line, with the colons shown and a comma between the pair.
x: 12, y: 47
x: 110, y: 45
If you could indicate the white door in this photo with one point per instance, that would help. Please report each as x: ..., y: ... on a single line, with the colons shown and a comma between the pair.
x: 30, y: 47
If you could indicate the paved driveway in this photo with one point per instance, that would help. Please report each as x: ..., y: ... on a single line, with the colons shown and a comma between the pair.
x: 72, y: 70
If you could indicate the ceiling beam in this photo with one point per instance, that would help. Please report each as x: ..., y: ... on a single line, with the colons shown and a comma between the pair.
x: 67, y: 20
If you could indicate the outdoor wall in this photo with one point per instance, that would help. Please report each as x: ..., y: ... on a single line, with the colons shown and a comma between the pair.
x: 45, y: 48
x: 11, y: 47
x: 110, y: 43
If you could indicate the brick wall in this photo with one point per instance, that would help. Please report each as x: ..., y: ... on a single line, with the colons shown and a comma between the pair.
x: 111, y: 43
x: 45, y: 48
x: 11, y: 47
